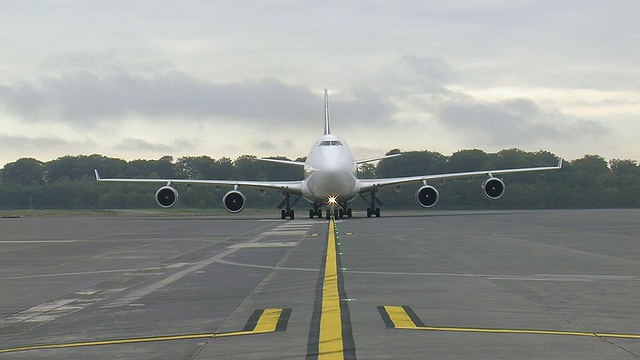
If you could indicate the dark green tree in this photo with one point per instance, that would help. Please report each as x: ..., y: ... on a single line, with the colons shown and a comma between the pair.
x: 25, y: 171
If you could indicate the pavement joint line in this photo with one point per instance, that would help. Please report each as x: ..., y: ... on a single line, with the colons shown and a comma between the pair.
x: 136, y: 294
x: 263, y: 321
x: 403, y: 318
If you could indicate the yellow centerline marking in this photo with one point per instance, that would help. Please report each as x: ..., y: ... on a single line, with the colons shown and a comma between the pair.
x: 267, y: 323
x: 402, y: 321
x: 330, y: 337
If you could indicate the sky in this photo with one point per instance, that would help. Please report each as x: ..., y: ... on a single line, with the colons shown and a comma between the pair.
x: 143, y: 79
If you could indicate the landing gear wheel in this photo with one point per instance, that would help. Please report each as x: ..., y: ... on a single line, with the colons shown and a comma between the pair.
x: 314, y: 213
x: 373, y: 212
x: 287, y: 214
x: 373, y: 208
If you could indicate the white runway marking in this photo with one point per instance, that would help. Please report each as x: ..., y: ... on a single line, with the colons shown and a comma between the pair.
x: 284, y: 233
x: 67, y: 274
x: 263, y: 245
x: 36, y: 241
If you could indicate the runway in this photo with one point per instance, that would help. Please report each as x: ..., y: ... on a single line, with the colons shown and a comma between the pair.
x: 561, y: 284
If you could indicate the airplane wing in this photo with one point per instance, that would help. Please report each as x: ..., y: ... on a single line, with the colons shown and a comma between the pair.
x: 288, y: 162
x: 376, y: 158
x: 291, y: 187
x: 367, y: 185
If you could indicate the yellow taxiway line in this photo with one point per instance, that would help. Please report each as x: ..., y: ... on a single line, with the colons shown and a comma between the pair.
x: 268, y: 321
x: 398, y: 318
x: 330, y: 336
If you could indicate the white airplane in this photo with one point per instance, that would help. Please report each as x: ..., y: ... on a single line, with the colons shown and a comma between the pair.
x: 330, y: 181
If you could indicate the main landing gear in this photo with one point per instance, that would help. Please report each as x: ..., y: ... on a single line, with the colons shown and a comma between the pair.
x: 287, y: 212
x: 315, y: 213
x: 372, y: 212
x: 373, y: 204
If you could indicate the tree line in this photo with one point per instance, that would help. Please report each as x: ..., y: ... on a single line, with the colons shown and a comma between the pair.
x: 68, y: 182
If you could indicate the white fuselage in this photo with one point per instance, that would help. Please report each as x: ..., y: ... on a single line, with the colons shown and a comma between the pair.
x: 330, y: 171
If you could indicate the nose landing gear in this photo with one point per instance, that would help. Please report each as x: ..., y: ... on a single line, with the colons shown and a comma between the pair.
x: 341, y: 212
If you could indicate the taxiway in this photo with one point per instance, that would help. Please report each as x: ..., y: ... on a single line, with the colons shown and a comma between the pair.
x: 560, y: 284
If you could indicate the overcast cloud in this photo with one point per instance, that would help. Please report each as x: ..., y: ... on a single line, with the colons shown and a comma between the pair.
x: 151, y: 78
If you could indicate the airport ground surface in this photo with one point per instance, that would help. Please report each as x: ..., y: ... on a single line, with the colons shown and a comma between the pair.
x: 425, y: 285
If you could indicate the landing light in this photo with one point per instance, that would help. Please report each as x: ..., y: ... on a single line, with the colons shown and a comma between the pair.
x: 331, y: 200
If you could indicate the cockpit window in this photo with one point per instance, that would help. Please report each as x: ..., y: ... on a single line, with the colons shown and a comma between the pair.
x: 330, y: 143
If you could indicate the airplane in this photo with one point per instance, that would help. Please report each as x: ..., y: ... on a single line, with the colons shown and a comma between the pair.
x: 330, y: 181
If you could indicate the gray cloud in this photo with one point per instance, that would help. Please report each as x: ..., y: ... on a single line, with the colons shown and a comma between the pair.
x: 265, y: 145
x: 87, y: 98
x: 24, y: 99
x: 515, y: 122
x: 363, y: 106
x: 82, y: 70
x: 431, y: 72
x: 10, y: 143
x: 141, y: 145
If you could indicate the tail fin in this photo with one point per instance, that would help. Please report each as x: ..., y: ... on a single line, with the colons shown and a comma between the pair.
x: 326, y: 113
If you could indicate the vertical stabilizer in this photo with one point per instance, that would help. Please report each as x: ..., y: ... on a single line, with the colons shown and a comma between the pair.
x: 327, y: 130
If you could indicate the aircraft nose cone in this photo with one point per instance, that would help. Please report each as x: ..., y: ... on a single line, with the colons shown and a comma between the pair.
x: 333, y: 183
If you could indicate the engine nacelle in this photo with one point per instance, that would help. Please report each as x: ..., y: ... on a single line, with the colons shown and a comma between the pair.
x: 233, y: 201
x: 492, y: 188
x: 166, y: 196
x: 427, y: 196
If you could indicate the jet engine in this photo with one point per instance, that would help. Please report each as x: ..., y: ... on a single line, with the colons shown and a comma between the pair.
x: 166, y: 196
x: 234, y: 201
x: 492, y: 188
x: 427, y: 196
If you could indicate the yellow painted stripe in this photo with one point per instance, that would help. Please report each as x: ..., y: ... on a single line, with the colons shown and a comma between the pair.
x: 108, y: 342
x: 268, y: 320
x: 267, y: 323
x: 521, y: 331
x: 499, y: 331
x: 619, y: 336
x: 402, y: 321
x: 399, y: 317
x: 330, y: 337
